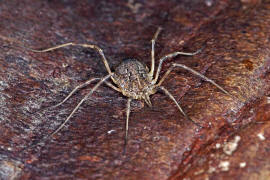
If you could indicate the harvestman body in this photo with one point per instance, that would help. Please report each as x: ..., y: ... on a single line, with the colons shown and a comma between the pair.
x: 132, y: 79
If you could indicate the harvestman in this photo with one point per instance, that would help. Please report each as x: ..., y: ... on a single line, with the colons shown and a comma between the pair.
x: 133, y: 79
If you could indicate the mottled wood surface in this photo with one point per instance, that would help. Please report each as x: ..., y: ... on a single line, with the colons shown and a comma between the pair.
x: 162, y: 145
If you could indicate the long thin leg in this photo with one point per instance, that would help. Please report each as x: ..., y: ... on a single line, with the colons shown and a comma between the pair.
x: 171, y: 56
x: 177, y: 104
x: 74, y: 110
x: 112, y: 86
x: 127, y: 119
x: 153, y: 52
x: 100, y: 51
x: 74, y: 90
x: 194, y: 72
x: 80, y: 103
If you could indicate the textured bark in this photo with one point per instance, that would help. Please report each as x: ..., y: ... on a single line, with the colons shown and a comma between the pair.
x: 234, y: 142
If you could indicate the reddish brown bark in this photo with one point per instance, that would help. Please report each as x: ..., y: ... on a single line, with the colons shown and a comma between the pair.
x: 162, y: 144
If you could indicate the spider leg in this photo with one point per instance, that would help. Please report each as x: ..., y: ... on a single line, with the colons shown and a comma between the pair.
x: 127, y: 113
x: 74, y: 110
x: 112, y: 86
x: 171, y: 56
x: 100, y: 51
x: 177, y: 104
x: 74, y: 90
x: 194, y: 72
x: 153, y: 52
x: 80, y: 103
x: 127, y: 119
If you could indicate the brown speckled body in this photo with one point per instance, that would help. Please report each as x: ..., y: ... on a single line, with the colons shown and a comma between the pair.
x: 133, y: 78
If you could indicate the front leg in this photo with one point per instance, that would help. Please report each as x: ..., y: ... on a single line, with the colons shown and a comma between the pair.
x: 127, y: 119
x: 177, y: 104
x: 153, y: 52
x: 171, y: 56
x: 194, y: 72
x: 98, y: 49
x: 102, y: 80
x: 75, y: 90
